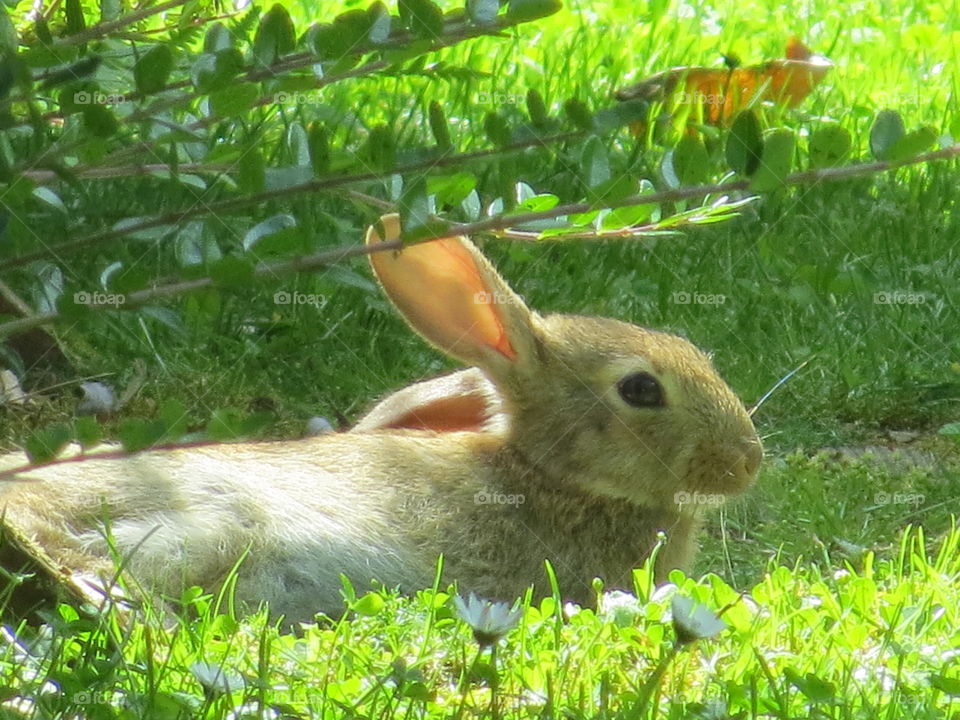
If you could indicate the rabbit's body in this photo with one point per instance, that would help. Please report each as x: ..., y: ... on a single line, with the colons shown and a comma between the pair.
x: 185, y: 517
x: 604, y: 432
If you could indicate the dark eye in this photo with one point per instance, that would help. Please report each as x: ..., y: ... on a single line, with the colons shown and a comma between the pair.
x: 641, y: 389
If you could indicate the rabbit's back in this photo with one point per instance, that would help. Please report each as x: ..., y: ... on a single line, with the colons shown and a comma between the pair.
x: 301, y: 511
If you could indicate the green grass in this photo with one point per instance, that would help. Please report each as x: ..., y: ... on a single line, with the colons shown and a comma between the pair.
x: 833, y: 587
x: 846, y: 644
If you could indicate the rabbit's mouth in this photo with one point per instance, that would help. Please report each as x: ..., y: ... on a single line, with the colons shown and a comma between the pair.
x: 727, y: 469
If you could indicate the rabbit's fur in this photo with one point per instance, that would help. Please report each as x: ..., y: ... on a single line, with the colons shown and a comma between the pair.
x: 569, y: 471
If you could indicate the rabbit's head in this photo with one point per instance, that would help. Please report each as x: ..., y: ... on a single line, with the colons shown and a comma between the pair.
x: 612, y: 408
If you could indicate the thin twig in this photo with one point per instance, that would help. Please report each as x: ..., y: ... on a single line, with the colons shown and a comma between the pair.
x: 105, y: 28
x: 330, y: 257
x: 312, y: 186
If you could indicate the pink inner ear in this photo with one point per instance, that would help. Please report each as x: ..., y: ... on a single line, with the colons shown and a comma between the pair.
x: 440, y: 289
x: 446, y: 414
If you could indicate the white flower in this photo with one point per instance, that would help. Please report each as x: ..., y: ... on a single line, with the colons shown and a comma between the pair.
x: 490, y: 621
x: 215, y: 680
x: 622, y: 608
x: 693, y: 621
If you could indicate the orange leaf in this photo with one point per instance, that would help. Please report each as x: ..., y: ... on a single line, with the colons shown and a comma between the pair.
x: 715, y: 95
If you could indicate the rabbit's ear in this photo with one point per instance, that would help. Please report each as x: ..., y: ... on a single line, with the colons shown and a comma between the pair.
x: 452, y: 296
x: 464, y: 400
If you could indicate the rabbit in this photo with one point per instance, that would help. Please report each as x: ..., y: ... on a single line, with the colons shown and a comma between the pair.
x: 600, y: 433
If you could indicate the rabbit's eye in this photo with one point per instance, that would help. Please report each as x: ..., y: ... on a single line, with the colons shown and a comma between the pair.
x: 641, y: 389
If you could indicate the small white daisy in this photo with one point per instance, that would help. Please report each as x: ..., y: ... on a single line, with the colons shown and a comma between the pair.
x: 489, y: 621
x: 693, y: 621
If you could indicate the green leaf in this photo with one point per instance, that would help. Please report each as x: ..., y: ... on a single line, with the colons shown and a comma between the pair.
x: 945, y: 684
x: 415, y: 207
x: 7, y: 164
x: 234, y: 100
x: 450, y: 190
x: 422, y: 17
x: 42, y: 31
x: 594, y: 164
x: 99, y: 121
x: 519, y: 11
x: 214, y: 71
x: 275, y: 35
x: 153, y: 69
x: 381, y: 149
x: 419, y: 692
x: 347, y: 35
x: 950, y: 430
x: 75, y: 20
x: 318, y: 144
x: 745, y: 144
x: 137, y: 434
x: 687, y: 163
x: 297, y: 144
x: 369, y: 605
x: 195, y: 245
x: 217, y: 38
x: 45, y: 444
x: 913, y: 143
x: 955, y: 130
x: 579, y: 113
x: 814, y: 687
x: 497, y: 129
x: 537, y: 203
x: 225, y: 424
x: 630, y: 112
x: 886, y: 131
x: 329, y: 42
x: 628, y: 216
x: 612, y: 190
x: 232, y: 271
x: 380, y: 23
x: 775, y: 161
x: 829, y: 145
x: 252, y: 171
x: 49, y: 197
x: 537, y: 109
x: 438, y: 126
x: 583, y: 219
x: 129, y: 280
x: 9, y: 40
x: 87, y: 431
x: 176, y: 421
x: 267, y: 227
x: 483, y: 12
